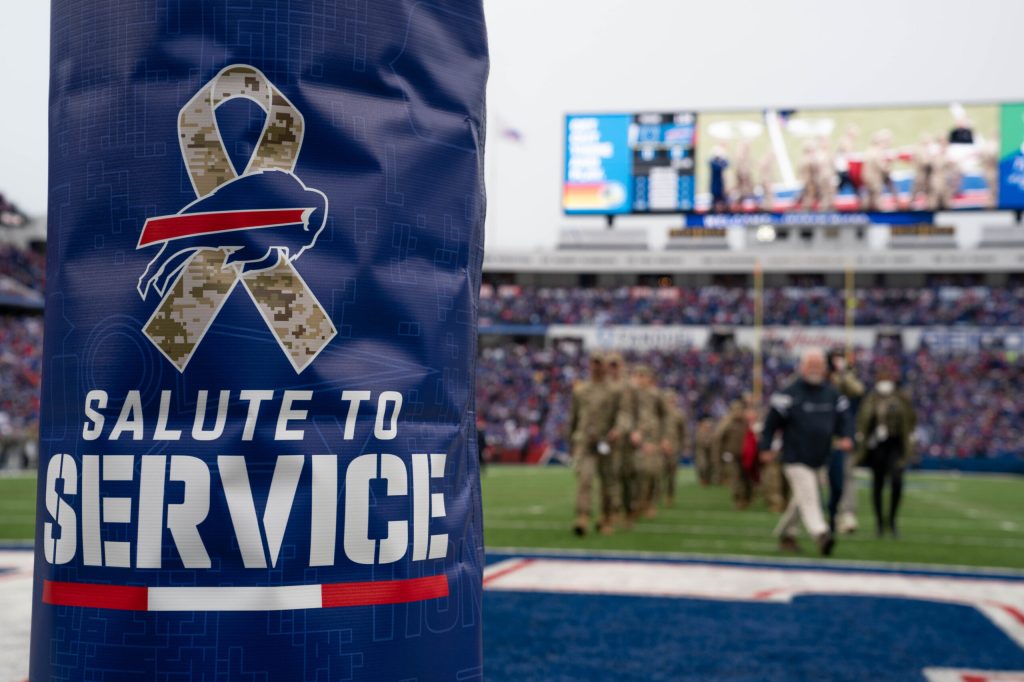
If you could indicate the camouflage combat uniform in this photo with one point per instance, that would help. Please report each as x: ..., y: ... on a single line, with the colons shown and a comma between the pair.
x: 649, y: 462
x: 728, y: 445
x: 708, y: 472
x: 592, y: 419
x: 673, y: 440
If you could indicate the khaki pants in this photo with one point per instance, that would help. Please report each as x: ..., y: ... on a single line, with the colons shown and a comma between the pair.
x: 590, y: 465
x: 805, y: 503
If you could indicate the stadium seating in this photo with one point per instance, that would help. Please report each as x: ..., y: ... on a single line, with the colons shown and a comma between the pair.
x: 23, y: 266
x: 967, y: 403
x: 809, y: 306
x: 21, y: 350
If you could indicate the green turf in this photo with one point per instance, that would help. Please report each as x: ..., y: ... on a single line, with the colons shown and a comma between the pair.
x: 17, y: 508
x: 945, y: 519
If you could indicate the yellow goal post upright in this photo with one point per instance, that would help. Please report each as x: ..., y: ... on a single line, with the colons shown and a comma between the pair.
x: 851, y: 311
x: 758, y: 387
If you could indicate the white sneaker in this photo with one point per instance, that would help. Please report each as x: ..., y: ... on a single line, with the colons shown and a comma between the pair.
x: 846, y: 523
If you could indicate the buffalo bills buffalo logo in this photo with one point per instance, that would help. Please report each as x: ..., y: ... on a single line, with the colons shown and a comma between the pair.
x: 255, y: 219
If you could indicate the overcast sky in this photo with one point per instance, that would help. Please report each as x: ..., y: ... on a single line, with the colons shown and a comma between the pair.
x: 553, y: 56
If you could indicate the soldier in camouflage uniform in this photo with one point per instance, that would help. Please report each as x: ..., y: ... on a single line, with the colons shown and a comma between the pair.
x: 703, y: 460
x: 773, y: 483
x: 646, y: 438
x: 592, y: 424
x: 673, y: 441
x: 728, y: 445
x: 623, y: 451
x: 885, y: 426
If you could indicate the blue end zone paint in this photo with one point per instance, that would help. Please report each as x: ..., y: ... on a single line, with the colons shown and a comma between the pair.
x: 531, y: 636
x: 16, y: 546
x: 845, y: 567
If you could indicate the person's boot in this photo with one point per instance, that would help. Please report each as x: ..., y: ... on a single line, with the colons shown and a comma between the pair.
x: 606, y: 526
x: 846, y: 523
x: 580, y: 527
x: 826, y: 543
x: 892, y: 529
x: 788, y: 544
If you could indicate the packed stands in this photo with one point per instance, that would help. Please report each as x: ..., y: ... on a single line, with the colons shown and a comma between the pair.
x: 967, y: 400
x: 939, y: 304
x: 23, y: 266
x: 21, y: 350
x: 967, y: 403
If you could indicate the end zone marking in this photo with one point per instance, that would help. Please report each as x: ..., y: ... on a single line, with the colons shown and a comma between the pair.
x: 960, y: 675
x: 1001, y: 601
x: 500, y: 570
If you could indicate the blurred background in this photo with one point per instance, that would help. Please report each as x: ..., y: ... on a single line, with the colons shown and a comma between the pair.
x: 704, y: 191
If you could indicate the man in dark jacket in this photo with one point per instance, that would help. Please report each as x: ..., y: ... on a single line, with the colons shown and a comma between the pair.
x: 810, y: 413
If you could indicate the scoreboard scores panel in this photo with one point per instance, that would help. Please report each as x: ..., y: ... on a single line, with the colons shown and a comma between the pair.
x: 663, y: 161
x: 635, y: 163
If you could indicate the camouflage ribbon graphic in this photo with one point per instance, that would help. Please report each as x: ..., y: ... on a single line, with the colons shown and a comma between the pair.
x: 208, y: 276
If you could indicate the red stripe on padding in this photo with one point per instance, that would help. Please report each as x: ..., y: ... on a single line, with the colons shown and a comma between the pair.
x: 119, y: 597
x: 384, y: 592
x: 165, y: 228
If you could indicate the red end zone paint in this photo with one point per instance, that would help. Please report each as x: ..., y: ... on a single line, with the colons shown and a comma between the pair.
x: 118, y: 597
x: 502, y: 572
x: 1017, y: 614
x: 166, y: 228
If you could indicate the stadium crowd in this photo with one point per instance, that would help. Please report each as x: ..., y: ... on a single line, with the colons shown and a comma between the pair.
x: 810, y: 306
x: 967, y: 402
x: 21, y: 350
x: 24, y: 266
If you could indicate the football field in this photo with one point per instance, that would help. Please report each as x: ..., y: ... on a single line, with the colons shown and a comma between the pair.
x: 701, y: 592
x: 948, y: 519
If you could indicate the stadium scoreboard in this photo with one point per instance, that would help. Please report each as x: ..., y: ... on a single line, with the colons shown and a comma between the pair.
x: 639, y: 163
x: 878, y: 162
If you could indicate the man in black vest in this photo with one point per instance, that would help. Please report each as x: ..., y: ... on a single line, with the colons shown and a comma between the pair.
x: 813, y: 417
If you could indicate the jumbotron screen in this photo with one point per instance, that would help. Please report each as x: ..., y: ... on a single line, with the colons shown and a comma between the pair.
x: 881, y: 160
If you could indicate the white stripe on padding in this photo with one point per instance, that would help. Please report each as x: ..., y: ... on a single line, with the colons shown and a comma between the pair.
x: 277, y: 598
